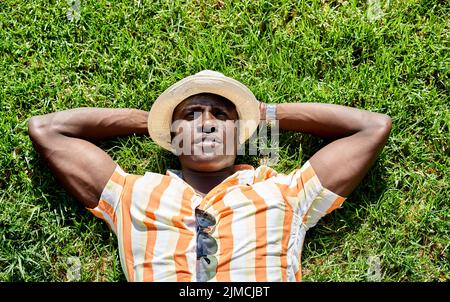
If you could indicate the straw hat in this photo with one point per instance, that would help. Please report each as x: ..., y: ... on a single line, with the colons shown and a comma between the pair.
x: 206, y: 81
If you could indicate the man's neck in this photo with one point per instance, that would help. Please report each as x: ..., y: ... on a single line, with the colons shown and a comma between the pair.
x: 203, y: 182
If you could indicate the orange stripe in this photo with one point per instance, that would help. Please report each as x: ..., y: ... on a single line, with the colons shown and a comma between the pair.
x: 126, y: 221
x: 219, y: 188
x: 298, y: 274
x: 283, y: 189
x: 288, y: 213
x: 305, y: 218
x: 225, y: 236
x: 308, y: 173
x: 117, y: 178
x: 185, y: 237
x: 303, y: 178
x: 222, y: 187
x: 108, y: 209
x: 152, y: 206
x: 287, y: 223
x: 97, y: 213
x: 336, y: 204
x: 261, y: 234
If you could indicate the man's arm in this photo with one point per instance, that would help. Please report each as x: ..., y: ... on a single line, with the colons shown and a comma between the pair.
x: 359, y: 136
x: 64, y: 140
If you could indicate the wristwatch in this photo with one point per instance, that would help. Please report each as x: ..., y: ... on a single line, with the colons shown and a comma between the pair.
x: 271, y: 112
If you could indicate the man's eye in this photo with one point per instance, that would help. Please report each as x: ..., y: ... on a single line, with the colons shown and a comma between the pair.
x: 189, y: 115
x: 221, y: 114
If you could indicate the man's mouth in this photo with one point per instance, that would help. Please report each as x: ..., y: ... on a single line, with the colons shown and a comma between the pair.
x: 205, y: 139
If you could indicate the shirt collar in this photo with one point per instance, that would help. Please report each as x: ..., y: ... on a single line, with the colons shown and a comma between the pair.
x: 244, y: 173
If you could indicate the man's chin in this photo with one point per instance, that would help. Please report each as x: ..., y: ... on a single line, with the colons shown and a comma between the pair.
x: 207, y: 162
x: 206, y: 158
x: 207, y: 155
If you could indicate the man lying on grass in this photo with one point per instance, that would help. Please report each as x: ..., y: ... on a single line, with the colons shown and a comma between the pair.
x: 212, y: 220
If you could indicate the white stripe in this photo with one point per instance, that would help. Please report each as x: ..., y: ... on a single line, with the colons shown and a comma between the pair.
x: 189, y: 222
x: 121, y: 171
x: 318, y: 208
x: 109, y: 221
x: 112, y: 193
x: 122, y: 257
x: 166, y: 241
x: 311, y: 189
x: 286, y: 180
x: 191, y: 250
x: 292, y: 253
x: 242, y: 266
x: 295, y: 253
x: 274, y: 228
x: 139, y: 202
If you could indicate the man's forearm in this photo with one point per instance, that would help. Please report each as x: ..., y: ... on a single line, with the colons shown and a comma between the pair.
x: 327, y: 120
x: 95, y: 123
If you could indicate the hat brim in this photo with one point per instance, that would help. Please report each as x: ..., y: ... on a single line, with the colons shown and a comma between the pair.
x: 160, y: 116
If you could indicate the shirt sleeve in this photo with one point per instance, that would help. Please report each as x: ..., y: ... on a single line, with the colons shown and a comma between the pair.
x: 110, y: 198
x: 312, y: 200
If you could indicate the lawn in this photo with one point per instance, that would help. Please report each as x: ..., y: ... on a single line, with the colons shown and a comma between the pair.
x: 391, y: 57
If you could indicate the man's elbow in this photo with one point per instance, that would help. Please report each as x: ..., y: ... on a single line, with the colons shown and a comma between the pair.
x: 381, y: 126
x: 38, y: 126
x: 385, y: 123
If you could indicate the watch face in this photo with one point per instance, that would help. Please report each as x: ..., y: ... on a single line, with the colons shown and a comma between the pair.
x: 271, y: 112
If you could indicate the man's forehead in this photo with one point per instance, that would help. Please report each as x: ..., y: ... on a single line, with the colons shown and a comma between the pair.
x: 205, y: 100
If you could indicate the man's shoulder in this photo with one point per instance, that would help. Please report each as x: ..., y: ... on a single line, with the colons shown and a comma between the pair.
x: 265, y: 173
x: 127, y: 178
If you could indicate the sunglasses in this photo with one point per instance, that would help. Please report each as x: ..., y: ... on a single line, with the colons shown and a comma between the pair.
x: 206, y: 246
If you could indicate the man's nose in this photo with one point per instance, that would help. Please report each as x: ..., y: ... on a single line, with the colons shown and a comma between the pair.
x: 208, y: 123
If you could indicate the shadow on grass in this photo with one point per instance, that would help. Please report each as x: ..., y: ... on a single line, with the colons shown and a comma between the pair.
x: 135, y: 154
x: 339, y: 223
x: 331, y: 231
x: 79, y: 232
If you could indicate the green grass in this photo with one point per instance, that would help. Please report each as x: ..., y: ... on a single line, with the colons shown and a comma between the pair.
x: 125, y: 53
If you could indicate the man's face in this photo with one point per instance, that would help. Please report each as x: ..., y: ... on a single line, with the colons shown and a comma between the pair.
x: 206, y: 123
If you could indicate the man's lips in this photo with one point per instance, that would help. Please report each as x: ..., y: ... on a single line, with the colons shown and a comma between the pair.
x: 207, y: 139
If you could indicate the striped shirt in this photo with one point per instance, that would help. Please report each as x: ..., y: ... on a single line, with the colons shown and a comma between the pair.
x: 256, y: 223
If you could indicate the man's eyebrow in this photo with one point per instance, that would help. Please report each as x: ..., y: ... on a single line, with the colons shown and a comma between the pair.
x: 190, y: 107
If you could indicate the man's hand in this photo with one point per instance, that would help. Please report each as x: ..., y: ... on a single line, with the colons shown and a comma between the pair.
x: 63, y: 140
